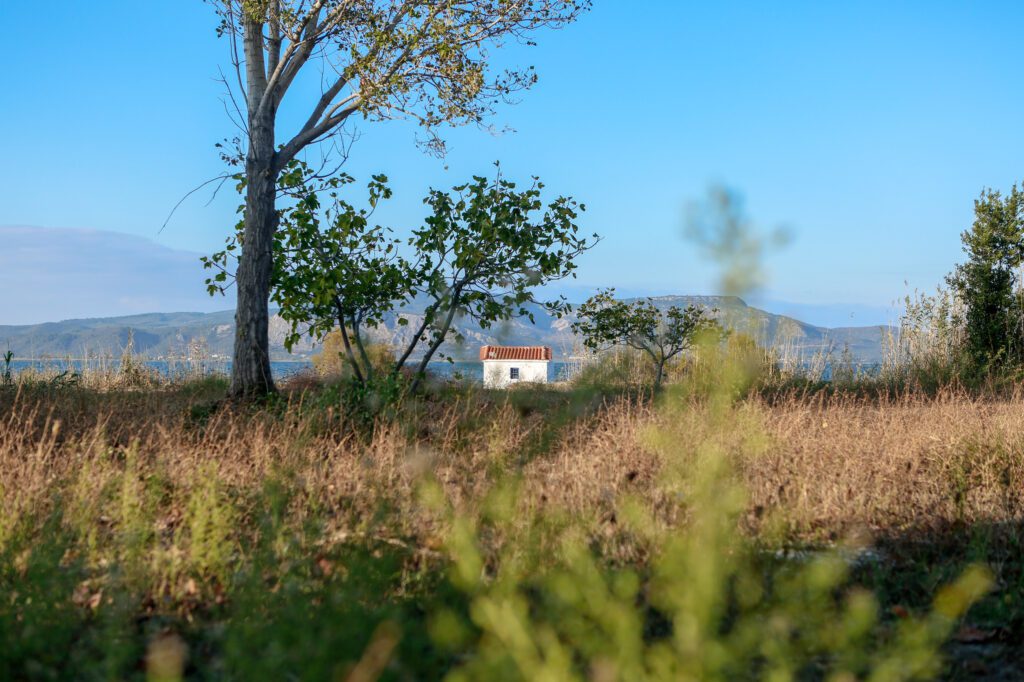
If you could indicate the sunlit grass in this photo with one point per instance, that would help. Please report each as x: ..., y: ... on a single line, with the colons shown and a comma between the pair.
x: 591, y: 533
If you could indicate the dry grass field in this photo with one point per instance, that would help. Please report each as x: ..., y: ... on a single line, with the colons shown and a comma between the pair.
x: 144, y: 527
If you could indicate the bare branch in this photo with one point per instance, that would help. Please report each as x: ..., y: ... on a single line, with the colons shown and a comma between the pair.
x: 236, y: 61
x: 223, y: 177
x: 326, y: 127
x: 238, y: 118
x: 299, y: 49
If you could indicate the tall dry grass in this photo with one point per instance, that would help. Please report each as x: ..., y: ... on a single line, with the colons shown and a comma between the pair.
x: 829, y: 462
x: 178, y: 508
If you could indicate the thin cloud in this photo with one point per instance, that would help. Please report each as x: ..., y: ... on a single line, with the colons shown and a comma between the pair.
x: 49, y: 274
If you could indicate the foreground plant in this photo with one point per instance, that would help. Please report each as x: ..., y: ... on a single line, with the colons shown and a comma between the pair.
x: 711, y: 604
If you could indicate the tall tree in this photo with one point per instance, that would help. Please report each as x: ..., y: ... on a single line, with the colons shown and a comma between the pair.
x: 427, y: 60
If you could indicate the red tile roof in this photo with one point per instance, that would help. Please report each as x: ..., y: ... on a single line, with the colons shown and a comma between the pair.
x: 515, y: 353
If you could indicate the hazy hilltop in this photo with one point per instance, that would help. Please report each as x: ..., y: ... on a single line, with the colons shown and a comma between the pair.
x: 163, y: 334
x: 781, y: 331
x: 153, y: 334
x: 49, y: 273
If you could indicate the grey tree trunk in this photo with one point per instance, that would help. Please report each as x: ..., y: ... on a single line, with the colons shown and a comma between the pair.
x: 250, y: 369
x: 660, y: 372
x: 343, y: 328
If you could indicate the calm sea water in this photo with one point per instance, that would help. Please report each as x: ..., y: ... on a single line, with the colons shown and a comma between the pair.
x: 168, y: 369
x: 474, y: 371
x: 471, y: 371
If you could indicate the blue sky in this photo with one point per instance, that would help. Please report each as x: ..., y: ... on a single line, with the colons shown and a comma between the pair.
x: 866, y: 129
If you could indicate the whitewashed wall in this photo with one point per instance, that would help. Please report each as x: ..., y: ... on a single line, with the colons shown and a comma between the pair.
x: 497, y: 372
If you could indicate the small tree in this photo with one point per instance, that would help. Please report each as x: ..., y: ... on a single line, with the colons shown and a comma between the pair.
x: 605, y: 322
x: 988, y: 283
x: 483, y: 252
x: 339, y: 272
x: 480, y: 256
x: 333, y: 360
x: 332, y: 269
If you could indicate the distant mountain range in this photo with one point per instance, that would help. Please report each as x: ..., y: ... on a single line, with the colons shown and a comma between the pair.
x: 160, y: 335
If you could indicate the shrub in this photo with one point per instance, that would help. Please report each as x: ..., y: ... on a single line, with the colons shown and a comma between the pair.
x: 332, y: 362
